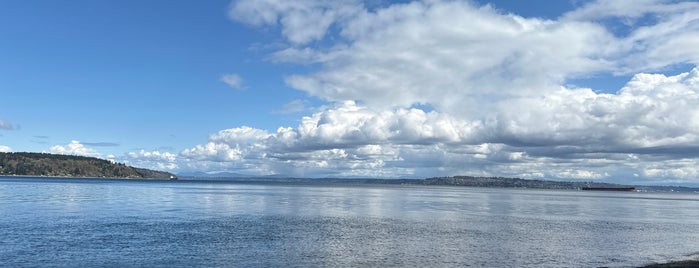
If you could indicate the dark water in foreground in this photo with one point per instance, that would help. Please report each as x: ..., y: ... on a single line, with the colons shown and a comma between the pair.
x: 117, y: 223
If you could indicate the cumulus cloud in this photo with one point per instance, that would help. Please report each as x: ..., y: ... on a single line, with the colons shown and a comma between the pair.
x: 494, y: 83
x: 74, y: 148
x: 348, y: 140
x: 301, y: 21
x: 144, y: 159
x: 457, y: 57
x: 670, y: 39
x: 233, y: 81
x: 5, y: 149
x: 568, y: 134
x: 4, y: 125
x: 452, y: 55
x: 152, y: 159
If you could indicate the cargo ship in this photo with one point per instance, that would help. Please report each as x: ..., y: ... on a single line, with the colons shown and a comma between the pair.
x: 617, y: 189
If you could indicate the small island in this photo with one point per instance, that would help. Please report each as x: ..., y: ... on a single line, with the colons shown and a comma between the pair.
x: 56, y: 165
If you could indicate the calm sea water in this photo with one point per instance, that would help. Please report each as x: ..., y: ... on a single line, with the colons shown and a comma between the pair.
x: 118, y: 223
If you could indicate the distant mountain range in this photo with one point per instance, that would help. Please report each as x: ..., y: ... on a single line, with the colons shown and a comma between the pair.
x: 41, y: 164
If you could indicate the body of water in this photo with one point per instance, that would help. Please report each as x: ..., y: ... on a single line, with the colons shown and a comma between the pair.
x: 120, y: 223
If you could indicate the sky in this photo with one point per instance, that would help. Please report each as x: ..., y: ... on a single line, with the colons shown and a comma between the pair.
x: 603, y: 90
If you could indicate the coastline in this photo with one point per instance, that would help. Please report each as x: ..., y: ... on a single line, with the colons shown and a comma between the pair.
x: 75, y: 177
x: 459, y: 181
x: 674, y: 264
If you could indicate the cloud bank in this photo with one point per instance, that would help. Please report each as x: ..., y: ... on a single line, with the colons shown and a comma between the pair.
x: 432, y: 88
x: 650, y: 124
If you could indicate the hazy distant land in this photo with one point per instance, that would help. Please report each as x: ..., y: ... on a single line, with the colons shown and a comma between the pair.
x: 55, y: 165
x: 466, y: 181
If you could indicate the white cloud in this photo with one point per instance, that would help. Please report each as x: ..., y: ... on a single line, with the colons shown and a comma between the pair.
x: 302, y: 21
x: 652, y: 110
x: 631, y: 9
x: 456, y: 56
x: 152, y: 159
x: 233, y: 81
x: 452, y: 55
x: 213, y: 152
x: 74, y: 148
x: 358, y: 142
x: 6, y: 125
x: 495, y: 83
x: 5, y: 149
x: 347, y: 140
x: 571, y: 133
x: 164, y: 156
x: 156, y: 160
x: 669, y: 39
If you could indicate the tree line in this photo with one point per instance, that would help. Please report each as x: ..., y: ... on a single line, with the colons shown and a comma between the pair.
x: 44, y: 164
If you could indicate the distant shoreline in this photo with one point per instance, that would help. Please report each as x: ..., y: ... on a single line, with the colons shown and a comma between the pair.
x: 674, y: 264
x: 74, y: 177
x: 59, y: 165
x: 456, y: 181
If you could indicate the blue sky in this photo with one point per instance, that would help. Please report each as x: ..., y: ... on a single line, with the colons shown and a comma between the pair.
x: 589, y: 90
x: 144, y: 75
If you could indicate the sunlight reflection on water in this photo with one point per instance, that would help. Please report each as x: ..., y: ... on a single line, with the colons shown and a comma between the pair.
x: 64, y: 222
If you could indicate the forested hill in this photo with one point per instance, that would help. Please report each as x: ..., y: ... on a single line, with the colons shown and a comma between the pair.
x: 41, y: 164
x: 513, y: 183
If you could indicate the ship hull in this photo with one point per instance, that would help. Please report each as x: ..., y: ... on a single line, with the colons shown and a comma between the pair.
x: 613, y: 189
